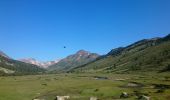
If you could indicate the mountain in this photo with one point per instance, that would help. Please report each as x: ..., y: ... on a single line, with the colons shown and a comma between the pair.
x: 10, y: 66
x: 38, y: 63
x: 144, y: 55
x: 72, y: 61
x: 4, y: 55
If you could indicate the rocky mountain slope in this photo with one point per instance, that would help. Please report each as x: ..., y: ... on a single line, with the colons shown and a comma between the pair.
x: 39, y: 63
x: 145, y: 55
x: 72, y: 61
x: 4, y: 55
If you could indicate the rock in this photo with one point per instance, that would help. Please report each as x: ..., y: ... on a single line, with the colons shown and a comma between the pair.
x: 62, y: 97
x: 124, y: 95
x: 134, y: 84
x: 93, y: 98
x: 100, y: 78
x: 120, y: 79
x: 143, y: 97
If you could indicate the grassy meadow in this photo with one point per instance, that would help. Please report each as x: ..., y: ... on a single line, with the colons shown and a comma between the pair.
x: 84, y: 86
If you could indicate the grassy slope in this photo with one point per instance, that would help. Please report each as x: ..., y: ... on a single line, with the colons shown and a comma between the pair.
x: 17, y: 67
x: 138, y: 58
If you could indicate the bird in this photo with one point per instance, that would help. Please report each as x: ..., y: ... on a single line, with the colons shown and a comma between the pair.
x: 64, y: 47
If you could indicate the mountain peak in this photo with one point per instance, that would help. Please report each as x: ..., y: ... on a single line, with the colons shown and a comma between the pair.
x: 81, y: 57
x: 33, y: 59
x: 39, y: 63
x: 82, y: 52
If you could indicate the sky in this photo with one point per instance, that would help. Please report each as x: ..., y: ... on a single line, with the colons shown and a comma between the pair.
x: 41, y: 28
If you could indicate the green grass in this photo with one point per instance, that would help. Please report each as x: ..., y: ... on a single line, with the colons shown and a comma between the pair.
x: 154, y: 58
x: 81, y: 86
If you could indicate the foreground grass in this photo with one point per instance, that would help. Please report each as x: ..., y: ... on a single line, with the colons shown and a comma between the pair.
x: 82, y: 86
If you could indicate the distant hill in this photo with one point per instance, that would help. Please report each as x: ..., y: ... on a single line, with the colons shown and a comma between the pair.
x: 9, y: 66
x: 39, y: 63
x: 145, y: 55
x: 80, y: 58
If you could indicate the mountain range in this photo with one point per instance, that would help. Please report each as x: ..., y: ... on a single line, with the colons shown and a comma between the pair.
x: 9, y: 66
x: 143, y: 56
x: 39, y: 63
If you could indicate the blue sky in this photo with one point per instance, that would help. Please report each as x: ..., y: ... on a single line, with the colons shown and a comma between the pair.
x: 40, y: 28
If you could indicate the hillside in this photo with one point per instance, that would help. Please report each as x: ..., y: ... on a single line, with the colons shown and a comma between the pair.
x: 145, y: 55
x: 13, y: 67
x: 80, y: 58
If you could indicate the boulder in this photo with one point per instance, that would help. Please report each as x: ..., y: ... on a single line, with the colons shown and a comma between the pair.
x: 93, y: 98
x: 143, y: 97
x: 62, y: 97
x: 124, y: 95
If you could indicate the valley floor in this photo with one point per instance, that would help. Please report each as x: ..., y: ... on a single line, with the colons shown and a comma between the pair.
x: 84, y: 86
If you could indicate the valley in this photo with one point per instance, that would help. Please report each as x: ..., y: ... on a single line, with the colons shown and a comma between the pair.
x: 83, y: 86
x: 139, y: 71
